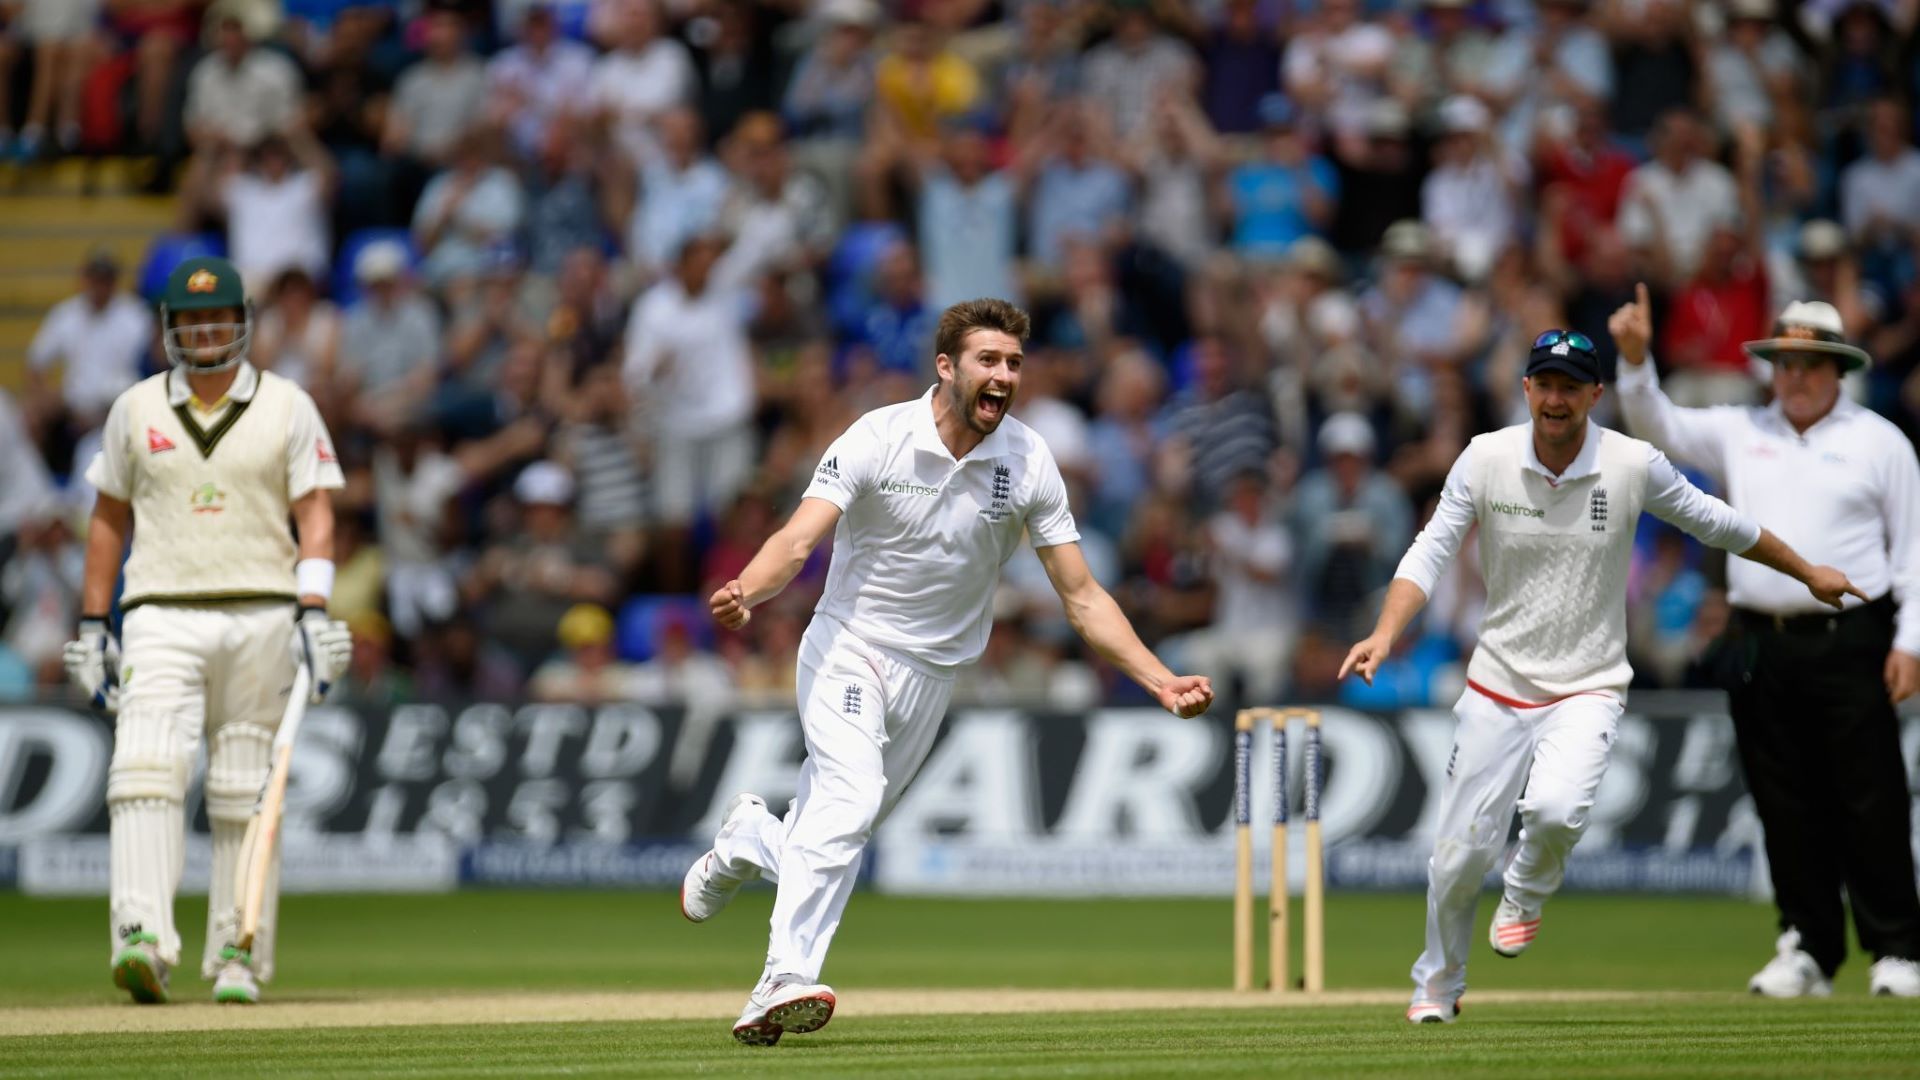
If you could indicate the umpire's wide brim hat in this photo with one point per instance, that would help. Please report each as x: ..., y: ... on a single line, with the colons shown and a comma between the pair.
x: 1809, y: 326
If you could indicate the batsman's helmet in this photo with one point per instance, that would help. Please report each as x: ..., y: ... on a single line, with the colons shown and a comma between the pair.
x: 205, y: 283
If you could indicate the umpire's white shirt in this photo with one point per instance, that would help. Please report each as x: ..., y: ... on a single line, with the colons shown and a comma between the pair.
x: 1845, y: 494
x: 922, y: 537
x: 1555, y: 552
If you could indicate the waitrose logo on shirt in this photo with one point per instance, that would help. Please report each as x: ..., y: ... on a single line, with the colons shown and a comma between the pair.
x: 1516, y: 510
x: 896, y: 487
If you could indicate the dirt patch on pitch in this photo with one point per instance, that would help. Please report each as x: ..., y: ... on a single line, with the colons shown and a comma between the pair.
x: 720, y: 1006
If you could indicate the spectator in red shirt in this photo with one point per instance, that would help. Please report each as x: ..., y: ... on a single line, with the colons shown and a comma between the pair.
x: 1725, y: 303
x: 1581, y: 177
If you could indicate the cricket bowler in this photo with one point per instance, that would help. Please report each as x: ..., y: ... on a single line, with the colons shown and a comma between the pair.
x: 925, y: 500
x: 1556, y: 500
x: 204, y: 466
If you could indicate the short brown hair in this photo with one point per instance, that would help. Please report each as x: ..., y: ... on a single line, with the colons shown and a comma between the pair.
x: 986, y: 314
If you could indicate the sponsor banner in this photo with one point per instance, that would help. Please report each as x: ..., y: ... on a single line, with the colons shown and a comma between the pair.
x: 1122, y: 801
x: 943, y: 868
x: 77, y: 865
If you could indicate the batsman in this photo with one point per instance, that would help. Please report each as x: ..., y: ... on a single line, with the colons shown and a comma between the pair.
x: 221, y: 474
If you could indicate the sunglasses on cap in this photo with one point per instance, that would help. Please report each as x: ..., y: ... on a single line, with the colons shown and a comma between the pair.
x: 1573, y: 339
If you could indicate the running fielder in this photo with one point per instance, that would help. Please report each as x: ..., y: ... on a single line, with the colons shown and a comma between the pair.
x: 926, y: 500
x: 222, y: 602
x: 1556, y: 500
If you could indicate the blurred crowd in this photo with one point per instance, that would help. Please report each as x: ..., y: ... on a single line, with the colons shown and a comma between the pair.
x: 585, y: 288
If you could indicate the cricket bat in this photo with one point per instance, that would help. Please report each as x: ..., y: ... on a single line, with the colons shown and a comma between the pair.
x: 263, y: 832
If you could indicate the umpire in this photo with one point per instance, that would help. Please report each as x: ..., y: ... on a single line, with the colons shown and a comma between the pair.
x: 1813, y: 693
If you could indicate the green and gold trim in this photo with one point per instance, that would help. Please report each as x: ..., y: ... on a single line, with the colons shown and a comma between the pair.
x: 204, y: 439
x: 127, y: 605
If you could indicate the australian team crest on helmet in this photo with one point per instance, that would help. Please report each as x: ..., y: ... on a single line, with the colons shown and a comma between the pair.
x: 202, y: 281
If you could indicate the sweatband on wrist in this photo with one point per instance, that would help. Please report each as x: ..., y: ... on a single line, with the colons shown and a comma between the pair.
x: 314, y: 577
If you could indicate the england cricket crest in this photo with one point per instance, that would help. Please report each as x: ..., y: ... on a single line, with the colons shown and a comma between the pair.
x: 1002, y: 494
x: 1597, y: 509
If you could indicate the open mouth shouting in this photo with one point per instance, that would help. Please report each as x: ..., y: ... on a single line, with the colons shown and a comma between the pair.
x: 1556, y: 416
x: 990, y: 406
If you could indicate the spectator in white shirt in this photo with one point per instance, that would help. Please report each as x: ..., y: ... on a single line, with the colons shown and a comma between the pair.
x: 1676, y: 200
x: 467, y: 212
x: 1337, y: 67
x: 240, y: 93
x: 689, y: 366
x: 278, y: 207
x: 645, y: 74
x: 1468, y: 200
x: 101, y: 337
x: 438, y: 99
x: 390, y: 345
x: 1255, y: 609
x: 1559, y: 61
x: 298, y: 335
x: 1880, y: 193
x: 679, y: 194
x: 1751, y: 67
x: 1138, y: 67
x: 536, y: 84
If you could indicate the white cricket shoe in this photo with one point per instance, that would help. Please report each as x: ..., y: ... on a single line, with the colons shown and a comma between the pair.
x: 1513, y: 929
x: 236, y: 984
x: 1791, y: 973
x: 1433, y: 1012
x: 708, y: 886
x: 1894, y: 977
x: 777, y: 1008
x: 138, y: 969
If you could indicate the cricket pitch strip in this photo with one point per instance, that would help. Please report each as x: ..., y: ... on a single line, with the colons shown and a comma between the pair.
x: 717, y: 1005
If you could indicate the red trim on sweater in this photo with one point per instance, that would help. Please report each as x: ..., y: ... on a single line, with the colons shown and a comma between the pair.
x: 1516, y: 703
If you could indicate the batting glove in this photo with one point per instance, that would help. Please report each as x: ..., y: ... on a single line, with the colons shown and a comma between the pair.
x: 325, y: 645
x: 93, y: 663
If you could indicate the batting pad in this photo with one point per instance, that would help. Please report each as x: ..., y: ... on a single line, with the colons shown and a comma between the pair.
x: 146, y: 783
x: 238, y: 757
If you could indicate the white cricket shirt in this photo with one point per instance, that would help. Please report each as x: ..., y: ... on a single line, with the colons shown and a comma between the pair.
x: 1845, y: 494
x: 1555, y: 551
x: 212, y: 490
x: 922, y: 537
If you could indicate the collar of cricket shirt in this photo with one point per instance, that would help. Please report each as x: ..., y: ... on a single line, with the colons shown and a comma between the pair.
x: 1585, y: 463
x: 1843, y: 410
x: 926, y: 435
x: 246, y: 381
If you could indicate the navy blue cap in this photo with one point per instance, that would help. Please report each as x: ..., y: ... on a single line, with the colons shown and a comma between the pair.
x: 1566, y: 351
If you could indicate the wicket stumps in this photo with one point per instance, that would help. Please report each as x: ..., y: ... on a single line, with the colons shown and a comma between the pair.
x: 1279, y: 932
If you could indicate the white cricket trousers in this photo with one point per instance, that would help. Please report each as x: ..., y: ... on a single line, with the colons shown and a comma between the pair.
x: 221, y: 669
x: 869, y: 719
x: 1557, y: 753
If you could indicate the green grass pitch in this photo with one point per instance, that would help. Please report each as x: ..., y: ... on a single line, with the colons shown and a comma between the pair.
x: 457, y: 975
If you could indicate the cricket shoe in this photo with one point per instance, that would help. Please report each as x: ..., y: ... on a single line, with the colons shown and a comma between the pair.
x: 1894, y: 977
x: 138, y: 969
x: 1433, y: 1012
x: 1513, y: 929
x: 1791, y: 973
x: 777, y: 1008
x: 236, y: 984
x: 708, y: 886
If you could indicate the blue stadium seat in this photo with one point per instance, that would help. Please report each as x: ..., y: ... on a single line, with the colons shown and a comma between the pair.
x: 346, y: 291
x: 571, y: 17
x: 638, y: 626
x: 170, y: 250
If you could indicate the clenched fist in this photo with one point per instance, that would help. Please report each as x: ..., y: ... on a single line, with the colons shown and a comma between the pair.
x: 1186, y: 695
x: 729, y: 606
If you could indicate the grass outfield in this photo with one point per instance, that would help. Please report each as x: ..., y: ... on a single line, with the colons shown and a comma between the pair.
x: 1679, y: 962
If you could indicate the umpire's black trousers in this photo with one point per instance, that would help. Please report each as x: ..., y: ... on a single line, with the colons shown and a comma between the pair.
x: 1821, y: 748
